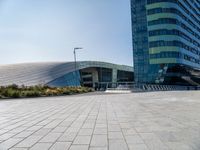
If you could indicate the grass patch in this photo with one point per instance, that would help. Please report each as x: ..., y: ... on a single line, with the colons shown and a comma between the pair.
x: 14, y: 91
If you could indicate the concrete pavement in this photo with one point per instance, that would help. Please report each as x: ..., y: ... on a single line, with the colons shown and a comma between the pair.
x: 137, y: 121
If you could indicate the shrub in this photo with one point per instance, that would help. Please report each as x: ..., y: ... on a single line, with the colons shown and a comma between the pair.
x: 7, y: 92
x: 15, y: 94
x: 33, y: 94
x: 51, y: 92
x: 66, y: 92
x: 13, y: 91
x: 13, y: 86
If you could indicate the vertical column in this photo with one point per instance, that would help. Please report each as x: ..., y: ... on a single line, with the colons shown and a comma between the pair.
x: 114, y: 77
x: 95, y: 78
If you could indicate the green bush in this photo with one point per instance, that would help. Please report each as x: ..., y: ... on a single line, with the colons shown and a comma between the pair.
x: 15, y: 94
x: 10, y: 93
x: 13, y: 86
x: 13, y: 91
x: 66, y: 92
x: 7, y: 92
x: 31, y: 94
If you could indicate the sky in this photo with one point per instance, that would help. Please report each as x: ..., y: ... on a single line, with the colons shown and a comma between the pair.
x: 48, y: 30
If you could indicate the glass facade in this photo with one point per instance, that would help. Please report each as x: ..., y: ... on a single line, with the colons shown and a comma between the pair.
x: 91, y: 73
x: 105, y: 75
x: 70, y: 79
x: 166, y: 35
x: 124, y: 76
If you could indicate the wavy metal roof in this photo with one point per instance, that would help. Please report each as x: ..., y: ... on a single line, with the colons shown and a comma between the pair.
x: 45, y: 72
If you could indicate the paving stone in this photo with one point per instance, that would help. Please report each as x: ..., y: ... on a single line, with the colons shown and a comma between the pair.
x: 60, y: 129
x: 138, y: 147
x: 72, y: 129
x: 79, y: 147
x: 6, y: 136
x: 125, y: 125
x: 2, y: 131
x: 67, y: 137
x: 34, y: 128
x: 138, y: 121
x: 98, y: 148
x: 117, y: 145
x: 114, y: 128
x: 28, y: 142
x: 41, y: 146
x: 88, y: 126
x: 149, y: 136
x: 53, y: 124
x: 101, y: 131
x: 44, y: 122
x: 42, y: 132
x: 115, y: 135
x: 51, y: 137
x: 101, y: 126
x: 134, y: 139
x: 178, y: 146
x: 16, y: 148
x: 65, y: 124
x: 82, y: 140
x: 9, y: 143
x: 23, y: 134
x: 167, y: 136
x: 18, y: 130
x: 85, y: 132
x: 61, y: 146
x: 156, y: 145
x: 99, y: 141
x: 129, y: 131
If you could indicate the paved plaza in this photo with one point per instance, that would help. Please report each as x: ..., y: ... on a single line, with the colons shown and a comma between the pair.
x: 137, y: 121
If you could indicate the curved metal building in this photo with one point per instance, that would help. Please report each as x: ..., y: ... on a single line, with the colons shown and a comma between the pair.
x: 60, y: 74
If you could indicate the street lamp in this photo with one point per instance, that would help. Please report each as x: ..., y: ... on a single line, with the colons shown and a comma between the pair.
x: 76, y: 48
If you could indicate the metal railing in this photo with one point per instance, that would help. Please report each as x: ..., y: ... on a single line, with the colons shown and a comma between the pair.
x: 155, y: 87
x: 114, y: 85
x: 141, y: 87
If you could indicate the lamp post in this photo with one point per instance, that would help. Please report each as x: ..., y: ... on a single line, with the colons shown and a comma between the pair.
x: 75, y: 66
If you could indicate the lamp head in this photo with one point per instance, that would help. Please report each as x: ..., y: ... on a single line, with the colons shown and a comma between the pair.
x: 78, y: 48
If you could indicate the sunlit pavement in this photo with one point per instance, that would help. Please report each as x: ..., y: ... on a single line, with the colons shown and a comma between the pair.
x: 138, y: 121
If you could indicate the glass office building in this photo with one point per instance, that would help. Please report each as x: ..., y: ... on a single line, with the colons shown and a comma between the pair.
x: 166, y: 41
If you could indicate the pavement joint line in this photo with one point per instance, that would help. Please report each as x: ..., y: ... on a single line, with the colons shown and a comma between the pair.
x: 58, y: 125
x: 167, y: 119
x: 94, y: 128
x: 36, y: 131
x: 120, y: 128
x: 71, y: 124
